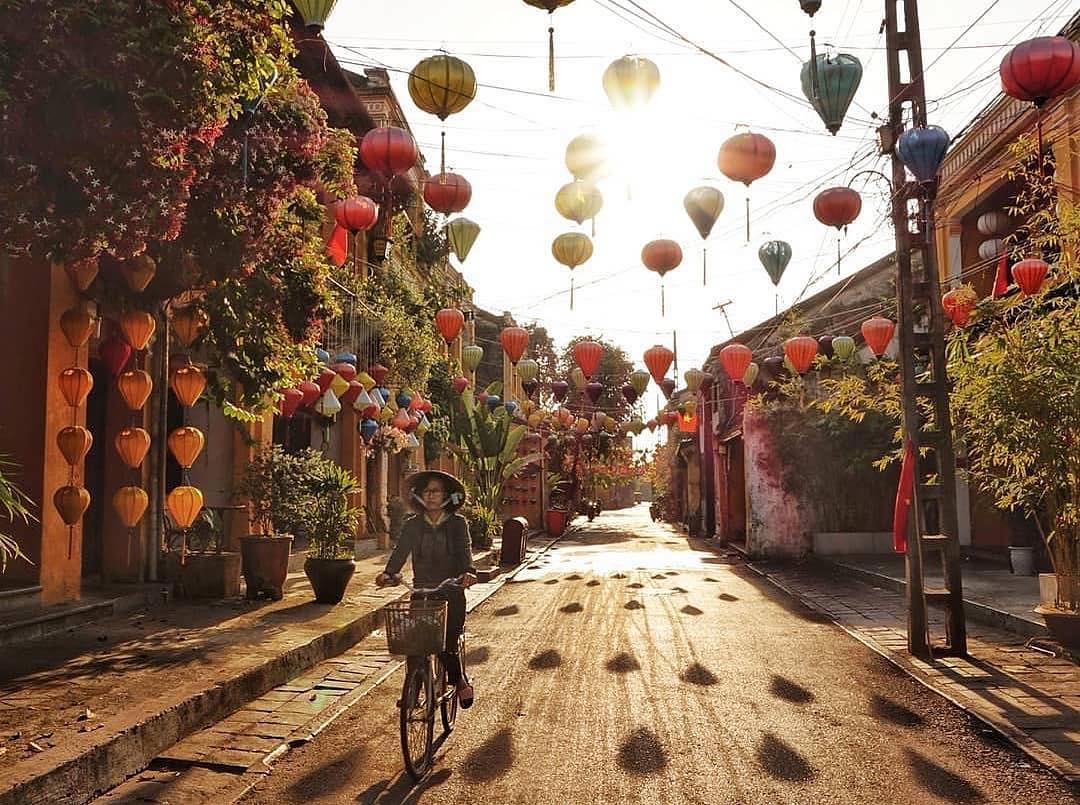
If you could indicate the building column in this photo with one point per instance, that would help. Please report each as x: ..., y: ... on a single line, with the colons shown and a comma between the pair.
x: 353, y: 459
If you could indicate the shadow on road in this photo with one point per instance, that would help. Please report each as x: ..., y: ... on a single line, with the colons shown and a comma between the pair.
x: 572, y: 608
x: 889, y: 710
x: 546, y: 660
x: 642, y: 753
x: 333, y: 775
x: 789, y: 691
x: 782, y: 761
x: 941, y: 782
x: 690, y: 609
x: 478, y: 655
x: 504, y: 611
x: 727, y: 597
x: 623, y: 663
x: 492, y: 759
x: 633, y: 605
x: 698, y: 674
x: 403, y: 791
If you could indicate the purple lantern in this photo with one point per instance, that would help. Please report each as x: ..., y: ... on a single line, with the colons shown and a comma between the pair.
x: 825, y: 345
x: 559, y: 389
x: 629, y: 393
x: 667, y: 385
x: 593, y: 390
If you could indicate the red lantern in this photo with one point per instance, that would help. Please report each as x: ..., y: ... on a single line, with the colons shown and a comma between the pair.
x: 746, y: 157
x: 735, y: 358
x: 349, y: 396
x: 325, y: 378
x: 449, y: 320
x: 356, y: 213
x: 389, y: 150
x: 801, y: 351
x: 837, y: 206
x: 378, y: 373
x: 661, y: 256
x: 958, y: 304
x: 460, y: 384
x: 447, y: 193
x: 514, y: 340
x: 587, y: 355
x: 1041, y: 69
x: 310, y: 392
x: 426, y: 406
x: 346, y: 370
x: 658, y: 360
x: 401, y: 419
x: 878, y: 333
x: 1029, y: 275
x: 291, y: 399
x: 115, y: 352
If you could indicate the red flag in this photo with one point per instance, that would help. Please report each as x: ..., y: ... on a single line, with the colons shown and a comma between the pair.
x: 338, y: 245
x: 1001, y: 281
x: 904, y: 490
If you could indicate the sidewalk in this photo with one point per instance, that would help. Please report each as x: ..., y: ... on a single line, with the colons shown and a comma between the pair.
x: 1029, y: 696
x: 81, y: 711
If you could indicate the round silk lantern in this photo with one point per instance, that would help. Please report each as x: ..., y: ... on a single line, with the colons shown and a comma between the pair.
x: 492, y: 401
x: 139, y: 271
x: 514, y: 340
x: 801, y: 351
x: 746, y: 157
x: 1029, y: 275
x: 994, y: 222
x: 322, y: 356
x: 471, y: 357
x: 1040, y: 69
x: 77, y: 325
x: 389, y: 150
x: 559, y: 390
x: 922, y: 150
x: 735, y: 358
x: 586, y: 158
x: 339, y: 385
x: 587, y: 355
x: 750, y: 375
x: 843, y: 346
x: 131, y: 445
x: 71, y: 503
x: 462, y: 234
x: 355, y: 214
x: 630, y: 82
x: 578, y: 379
x: 825, y: 345
x: 74, y: 442
x: 667, y: 385
x: 527, y: 370
x: 447, y: 193
x: 188, y: 324
x: 184, y: 504
x: 135, y: 386
x: 658, y: 359
x: 878, y: 333
x: 693, y: 378
x: 189, y: 382
x: 991, y: 249
x: 75, y: 385
x: 449, y: 320
x: 114, y: 352
x: 185, y: 443
x: 366, y: 380
x: 130, y: 503
x: 346, y: 357
x: 958, y: 305
x: 138, y: 327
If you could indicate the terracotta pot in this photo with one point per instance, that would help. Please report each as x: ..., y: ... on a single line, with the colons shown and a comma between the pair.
x: 265, y: 564
x: 555, y: 522
x: 1063, y: 624
x: 329, y: 578
x: 206, y: 575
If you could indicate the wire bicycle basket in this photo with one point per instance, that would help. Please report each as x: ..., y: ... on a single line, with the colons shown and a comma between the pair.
x: 415, y: 628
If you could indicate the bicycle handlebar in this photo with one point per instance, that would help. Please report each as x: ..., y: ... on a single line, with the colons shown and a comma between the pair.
x: 448, y: 584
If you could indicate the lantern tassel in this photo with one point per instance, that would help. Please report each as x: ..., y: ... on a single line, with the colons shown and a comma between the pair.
x: 571, y: 291
x: 813, y: 64
x: 662, y: 302
x: 594, y: 226
x: 838, y: 255
x: 551, y: 59
x: 748, y: 217
x: 442, y: 158
x: 704, y: 265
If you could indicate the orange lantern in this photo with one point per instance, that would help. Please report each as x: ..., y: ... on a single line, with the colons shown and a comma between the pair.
x: 587, y: 355
x: 75, y: 384
x: 188, y: 384
x: 514, y: 340
x: 83, y: 273
x: 138, y: 327
x: 186, y: 443
x: 132, y: 444
x: 189, y: 323
x: 1029, y: 275
x: 801, y: 351
x: 130, y: 504
x: 878, y: 333
x: 658, y: 360
x: 71, y: 502
x: 74, y: 443
x: 449, y: 320
x: 77, y: 324
x: 661, y: 256
x: 184, y: 504
x: 139, y: 271
x: 135, y: 386
x: 735, y: 358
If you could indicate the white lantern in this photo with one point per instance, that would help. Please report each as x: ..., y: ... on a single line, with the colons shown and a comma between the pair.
x: 993, y: 223
x: 328, y: 404
x: 991, y: 249
x: 411, y: 442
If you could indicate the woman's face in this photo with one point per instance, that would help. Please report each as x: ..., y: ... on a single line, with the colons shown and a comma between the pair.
x: 433, y: 493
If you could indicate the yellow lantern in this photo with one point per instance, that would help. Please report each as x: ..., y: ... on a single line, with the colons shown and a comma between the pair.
x: 339, y: 385
x: 83, y: 273
x: 132, y: 444
x: 577, y: 377
x: 138, y: 327
x: 185, y: 444
x: 442, y: 85
x: 135, y: 386
x: 188, y: 384
x: 366, y: 380
x: 71, y: 503
x: 694, y: 378
x: 630, y: 82
x: 77, y: 324
x: 581, y: 424
x: 535, y: 418
x: 572, y: 249
x: 184, y: 504
x: 586, y: 158
x: 130, y: 503
x: 315, y: 12
x: 579, y: 201
x: 74, y: 443
x: 189, y: 323
x: 139, y: 271
x: 75, y: 385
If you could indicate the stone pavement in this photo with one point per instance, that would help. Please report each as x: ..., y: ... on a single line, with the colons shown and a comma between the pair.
x: 1030, y: 696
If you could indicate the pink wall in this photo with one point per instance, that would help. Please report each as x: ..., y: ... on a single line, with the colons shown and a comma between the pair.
x: 777, y: 524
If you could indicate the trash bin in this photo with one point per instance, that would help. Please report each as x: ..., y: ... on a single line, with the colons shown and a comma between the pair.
x: 515, y: 532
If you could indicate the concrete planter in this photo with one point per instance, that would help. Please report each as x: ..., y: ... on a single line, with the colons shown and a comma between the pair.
x: 1022, y: 560
x: 329, y: 578
x: 206, y: 575
x: 265, y: 564
x: 1063, y: 624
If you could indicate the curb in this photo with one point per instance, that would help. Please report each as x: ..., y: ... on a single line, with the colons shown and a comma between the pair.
x: 1016, y: 737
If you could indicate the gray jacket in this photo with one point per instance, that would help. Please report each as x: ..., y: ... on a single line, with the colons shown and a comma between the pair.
x: 438, y: 553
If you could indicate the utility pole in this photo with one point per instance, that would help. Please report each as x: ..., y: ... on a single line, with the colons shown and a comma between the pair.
x: 922, y: 351
x: 722, y: 307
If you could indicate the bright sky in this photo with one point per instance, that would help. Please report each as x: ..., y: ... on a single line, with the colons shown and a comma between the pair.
x: 510, y: 143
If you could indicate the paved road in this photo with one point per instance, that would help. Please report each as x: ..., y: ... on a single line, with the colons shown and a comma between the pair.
x: 631, y: 667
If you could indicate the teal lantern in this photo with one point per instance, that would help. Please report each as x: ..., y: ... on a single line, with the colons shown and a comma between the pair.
x: 843, y: 347
x: 775, y: 256
x: 833, y: 88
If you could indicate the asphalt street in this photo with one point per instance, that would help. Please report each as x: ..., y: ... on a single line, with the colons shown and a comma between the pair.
x: 630, y: 665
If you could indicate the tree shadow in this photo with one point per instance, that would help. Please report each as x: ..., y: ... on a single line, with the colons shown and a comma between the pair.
x: 690, y: 609
x: 727, y: 597
x: 619, y: 576
x: 634, y: 585
x: 789, y: 691
x: 572, y: 608
x: 491, y: 760
x: 642, y: 753
x: 546, y: 660
x: 574, y: 577
x: 698, y: 674
x: 782, y: 761
x: 941, y: 782
x: 593, y: 583
x: 634, y: 604
x: 333, y: 775
x: 712, y: 580
x: 478, y: 655
x: 504, y: 611
x: 658, y: 576
x: 552, y: 581
x: 893, y: 711
x: 679, y: 590
x: 623, y: 663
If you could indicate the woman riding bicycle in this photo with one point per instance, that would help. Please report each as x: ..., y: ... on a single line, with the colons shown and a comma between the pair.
x: 438, y: 539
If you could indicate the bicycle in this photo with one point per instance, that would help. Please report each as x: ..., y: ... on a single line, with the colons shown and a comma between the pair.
x: 417, y: 629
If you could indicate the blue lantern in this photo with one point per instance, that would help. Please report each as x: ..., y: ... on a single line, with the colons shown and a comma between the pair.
x: 493, y: 401
x: 511, y: 407
x: 345, y: 357
x: 403, y: 399
x: 367, y: 429
x: 922, y: 150
x: 384, y: 392
x: 322, y: 355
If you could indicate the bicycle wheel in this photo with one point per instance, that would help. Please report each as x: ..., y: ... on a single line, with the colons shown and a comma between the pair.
x: 448, y: 703
x: 417, y: 717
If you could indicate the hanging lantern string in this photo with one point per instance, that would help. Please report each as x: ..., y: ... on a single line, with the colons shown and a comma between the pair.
x: 551, y: 57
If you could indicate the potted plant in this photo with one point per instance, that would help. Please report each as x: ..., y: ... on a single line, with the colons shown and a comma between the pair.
x: 332, y: 524
x: 207, y: 571
x: 14, y: 505
x: 277, y: 489
x: 481, y: 525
